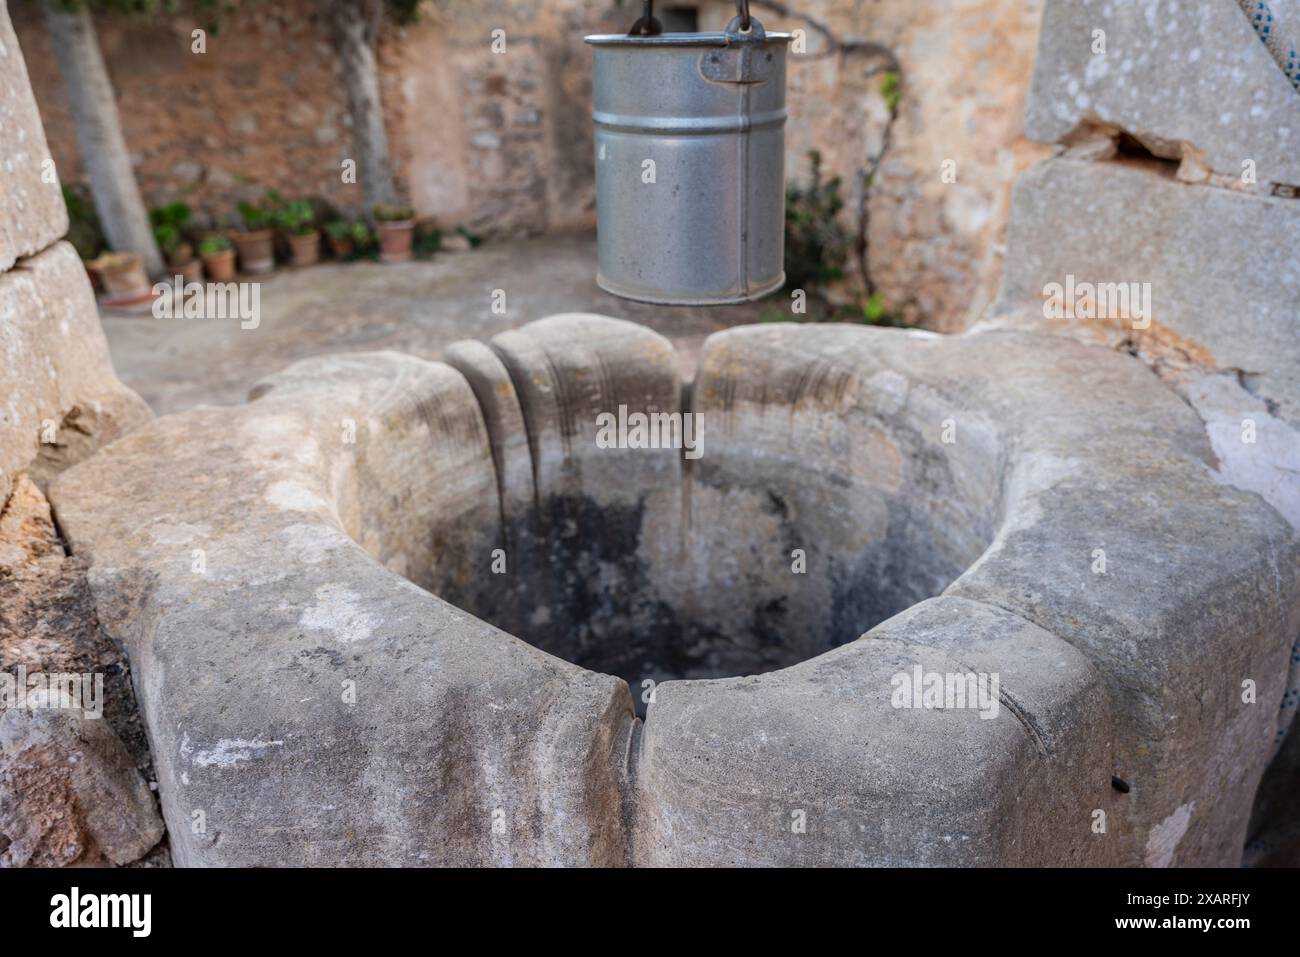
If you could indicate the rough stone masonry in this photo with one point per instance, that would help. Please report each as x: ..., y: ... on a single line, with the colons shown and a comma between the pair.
x: 330, y: 672
x: 1176, y: 128
x: 72, y: 787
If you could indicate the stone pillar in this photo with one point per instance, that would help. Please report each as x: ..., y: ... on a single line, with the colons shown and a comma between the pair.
x: 71, y: 787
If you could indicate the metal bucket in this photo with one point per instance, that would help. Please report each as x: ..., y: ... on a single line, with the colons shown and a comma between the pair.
x: 690, y: 162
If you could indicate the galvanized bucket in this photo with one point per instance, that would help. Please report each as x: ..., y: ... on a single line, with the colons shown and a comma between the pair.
x: 690, y: 162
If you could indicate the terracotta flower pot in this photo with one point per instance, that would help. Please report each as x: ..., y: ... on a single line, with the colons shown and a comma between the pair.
x: 191, y: 271
x: 341, y: 248
x: 395, y: 240
x: 304, y: 249
x: 123, y: 277
x: 256, y: 250
x: 220, y: 266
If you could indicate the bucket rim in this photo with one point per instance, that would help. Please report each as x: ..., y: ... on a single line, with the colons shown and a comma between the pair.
x: 717, y: 39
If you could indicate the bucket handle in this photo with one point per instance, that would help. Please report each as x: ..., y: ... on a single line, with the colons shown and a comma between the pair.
x: 646, y: 25
x: 742, y: 14
x: 742, y: 24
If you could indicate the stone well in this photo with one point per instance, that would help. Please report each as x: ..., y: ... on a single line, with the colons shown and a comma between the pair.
x: 388, y: 611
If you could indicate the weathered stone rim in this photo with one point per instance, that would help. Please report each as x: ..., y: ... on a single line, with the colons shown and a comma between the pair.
x: 1056, y: 748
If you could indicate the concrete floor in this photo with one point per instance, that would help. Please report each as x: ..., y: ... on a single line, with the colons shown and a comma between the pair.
x: 417, y: 307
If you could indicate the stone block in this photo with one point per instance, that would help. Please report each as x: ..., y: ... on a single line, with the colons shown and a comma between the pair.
x: 32, y: 213
x: 59, y: 396
x: 69, y: 792
x: 1180, y: 77
x: 1222, y: 269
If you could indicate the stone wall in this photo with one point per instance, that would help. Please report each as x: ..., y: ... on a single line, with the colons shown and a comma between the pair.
x: 501, y: 142
x: 1167, y: 227
x: 1177, y: 175
x: 71, y: 785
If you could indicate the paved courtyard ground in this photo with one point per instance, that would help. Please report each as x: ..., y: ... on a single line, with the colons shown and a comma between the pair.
x: 417, y: 307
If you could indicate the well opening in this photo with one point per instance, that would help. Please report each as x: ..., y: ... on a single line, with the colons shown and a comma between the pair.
x: 763, y: 553
x: 830, y: 487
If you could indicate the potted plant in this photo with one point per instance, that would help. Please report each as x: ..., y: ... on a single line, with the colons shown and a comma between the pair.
x: 348, y: 239
x: 218, y: 257
x: 255, y: 241
x: 427, y: 240
x: 189, y: 266
x: 123, y: 278
x: 297, y: 222
x: 396, y: 227
x: 339, y: 234
x: 169, y: 232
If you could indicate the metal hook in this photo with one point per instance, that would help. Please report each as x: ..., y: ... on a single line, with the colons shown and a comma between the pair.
x: 742, y: 13
x: 743, y: 26
x: 647, y: 25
